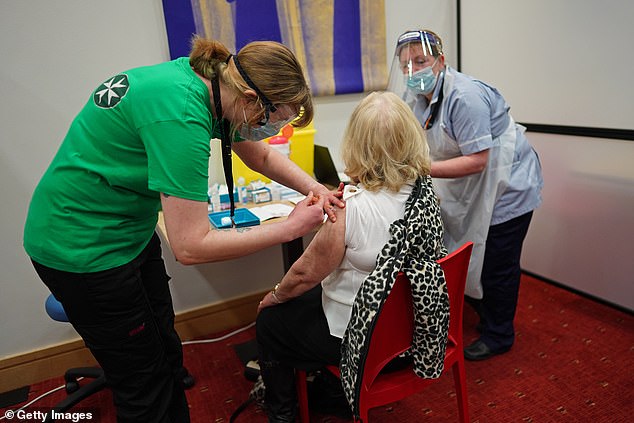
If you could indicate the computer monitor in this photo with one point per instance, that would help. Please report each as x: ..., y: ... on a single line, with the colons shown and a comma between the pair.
x: 324, y: 167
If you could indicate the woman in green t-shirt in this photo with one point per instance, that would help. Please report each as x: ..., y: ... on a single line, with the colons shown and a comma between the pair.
x: 142, y: 144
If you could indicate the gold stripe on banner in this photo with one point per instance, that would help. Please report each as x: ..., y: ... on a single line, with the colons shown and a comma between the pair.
x: 373, y: 56
x: 289, y: 16
x: 214, y: 19
x: 318, y: 29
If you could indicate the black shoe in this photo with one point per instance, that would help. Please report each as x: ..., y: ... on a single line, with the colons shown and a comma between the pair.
x: 326, y: 395
x: 280, y: 395
x: 480, y: 351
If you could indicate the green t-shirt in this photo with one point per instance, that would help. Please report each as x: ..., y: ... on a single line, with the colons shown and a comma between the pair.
x: 142, y: 132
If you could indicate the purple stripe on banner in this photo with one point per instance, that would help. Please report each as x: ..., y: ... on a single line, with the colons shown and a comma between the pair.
x: 347, y: 47
x: 256, y: 20
x: 179, y: 20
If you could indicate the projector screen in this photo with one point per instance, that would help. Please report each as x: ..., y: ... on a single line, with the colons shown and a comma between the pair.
x: 557, y: 62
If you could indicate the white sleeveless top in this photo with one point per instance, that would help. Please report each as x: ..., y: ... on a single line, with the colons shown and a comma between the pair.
x: 368, y: 219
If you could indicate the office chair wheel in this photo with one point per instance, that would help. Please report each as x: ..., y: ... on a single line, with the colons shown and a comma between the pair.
x: 71, y: 386
x: 186, y: 377
x: 188, y: 381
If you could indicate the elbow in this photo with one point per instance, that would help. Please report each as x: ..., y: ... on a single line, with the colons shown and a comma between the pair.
x: 185, y: 258
x: 189, y: 257
x: 189, y: 249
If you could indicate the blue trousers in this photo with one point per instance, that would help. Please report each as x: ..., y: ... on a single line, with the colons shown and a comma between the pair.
x: 126, y: 318
x: 501, y: 282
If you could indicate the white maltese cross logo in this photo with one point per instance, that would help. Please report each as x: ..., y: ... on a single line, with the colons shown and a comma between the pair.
x: 110, y: 93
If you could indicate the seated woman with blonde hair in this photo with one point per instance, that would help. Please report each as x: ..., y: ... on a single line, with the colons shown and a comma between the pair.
x: 391, y: 223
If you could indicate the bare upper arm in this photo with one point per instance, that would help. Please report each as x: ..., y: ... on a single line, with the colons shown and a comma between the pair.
x: 186, y: 222
x: 324, y: 253
x: 330, y: 241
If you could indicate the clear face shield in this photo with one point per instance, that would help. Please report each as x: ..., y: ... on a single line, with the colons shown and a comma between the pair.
x: 411, y: 73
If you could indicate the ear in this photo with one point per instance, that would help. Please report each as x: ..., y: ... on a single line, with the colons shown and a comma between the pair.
x: 441, y: 60
x: 250, y: 94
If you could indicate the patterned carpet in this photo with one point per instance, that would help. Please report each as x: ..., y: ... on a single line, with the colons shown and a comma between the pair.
x: 573, y: 361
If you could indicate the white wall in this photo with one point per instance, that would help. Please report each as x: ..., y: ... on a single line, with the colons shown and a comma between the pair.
x: 53, y: 53
x: 582, y: 234
x: 568, y: 62
x: 563, y: 62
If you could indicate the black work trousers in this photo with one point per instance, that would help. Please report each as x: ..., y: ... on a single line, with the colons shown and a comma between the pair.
x: 293, y: 335
x: 500, y: 278
x: 126, y: 318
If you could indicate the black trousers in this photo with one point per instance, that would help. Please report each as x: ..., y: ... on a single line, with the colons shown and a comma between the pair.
x: 126, y: 318
x: 292, y: 335
x: 500, y: 278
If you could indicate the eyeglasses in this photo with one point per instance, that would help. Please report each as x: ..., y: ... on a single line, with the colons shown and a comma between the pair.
x: 283, y: 110
x: 268, y: 109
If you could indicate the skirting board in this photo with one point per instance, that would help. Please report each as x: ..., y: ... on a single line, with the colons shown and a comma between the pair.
x: 36, y: 366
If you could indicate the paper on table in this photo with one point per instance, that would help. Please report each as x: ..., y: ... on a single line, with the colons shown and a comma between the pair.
x: 295, y: 200
x: 271, y: 211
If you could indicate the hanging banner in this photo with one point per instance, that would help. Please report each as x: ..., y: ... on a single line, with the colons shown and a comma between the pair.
x: 340, y: 43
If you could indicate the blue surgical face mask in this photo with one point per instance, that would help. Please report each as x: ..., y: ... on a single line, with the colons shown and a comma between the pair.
x: 267, y: 128
x: 422, y: 81
x: 258, y: 133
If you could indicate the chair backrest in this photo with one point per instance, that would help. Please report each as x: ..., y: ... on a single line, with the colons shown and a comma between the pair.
x: 456, y: 266
x: 394, y: 328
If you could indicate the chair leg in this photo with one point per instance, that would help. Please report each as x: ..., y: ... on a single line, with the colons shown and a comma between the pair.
x: 302, y: 396
x: 78, y: 393
x: 460, y: 382
x: 72, y: 377
x: 363, y: 415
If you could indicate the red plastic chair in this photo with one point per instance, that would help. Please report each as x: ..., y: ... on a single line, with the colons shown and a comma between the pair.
x: 393, y: 335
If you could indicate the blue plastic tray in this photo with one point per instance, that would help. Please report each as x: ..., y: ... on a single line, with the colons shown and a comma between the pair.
x: 242, y: 217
